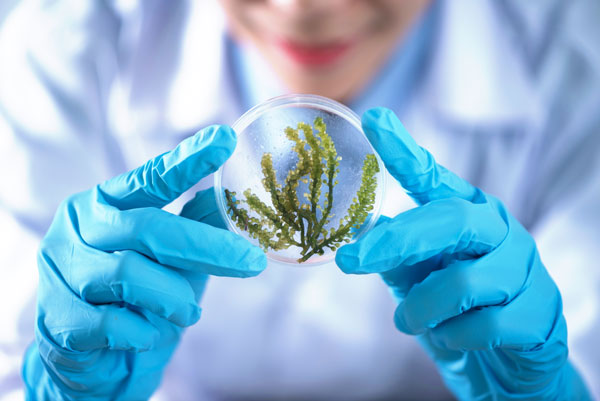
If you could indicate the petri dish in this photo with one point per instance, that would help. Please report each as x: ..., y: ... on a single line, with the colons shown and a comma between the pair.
x: 262, y: 130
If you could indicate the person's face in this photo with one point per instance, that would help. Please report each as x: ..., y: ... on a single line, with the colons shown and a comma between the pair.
x: 326, y: 47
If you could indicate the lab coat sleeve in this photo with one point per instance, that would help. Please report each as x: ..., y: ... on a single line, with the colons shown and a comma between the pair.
x: 565, y: 205
x: 568, y: 242
x: 57, y: 61
x: 568, y: 239
x: 563, y: 192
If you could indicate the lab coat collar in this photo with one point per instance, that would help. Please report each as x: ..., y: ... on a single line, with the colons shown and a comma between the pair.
x: 477, y: 76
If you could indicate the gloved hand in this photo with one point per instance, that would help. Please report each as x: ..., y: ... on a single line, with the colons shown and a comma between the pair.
x: 120, y: 277
x: 468, y: 278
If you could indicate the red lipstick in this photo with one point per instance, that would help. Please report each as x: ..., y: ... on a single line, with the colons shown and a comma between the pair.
x: 314, y: 55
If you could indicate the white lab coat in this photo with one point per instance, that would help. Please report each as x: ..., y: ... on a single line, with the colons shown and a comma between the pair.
x: 510, y: 101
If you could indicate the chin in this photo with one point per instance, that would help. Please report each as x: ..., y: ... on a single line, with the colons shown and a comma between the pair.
x: 319, y: 85
x: 332, y: 81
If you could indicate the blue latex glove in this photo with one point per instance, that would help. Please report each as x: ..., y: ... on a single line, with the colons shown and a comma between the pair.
x: 468, y: 278
x: 120, y: 277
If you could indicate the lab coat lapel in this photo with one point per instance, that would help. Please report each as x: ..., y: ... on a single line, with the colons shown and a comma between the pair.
x: 203, y: 91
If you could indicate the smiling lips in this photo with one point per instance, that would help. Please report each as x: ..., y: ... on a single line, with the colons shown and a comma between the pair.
x: 314, y: 55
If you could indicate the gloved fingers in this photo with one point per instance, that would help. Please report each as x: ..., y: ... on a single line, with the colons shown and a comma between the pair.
x: 197, y: 281
x: 456, y: 289
x: 446, y: 227
x: 66, y: 320
x: 127, y: 276
x: 92, y: 327
x: 461, y: 285
x: 533, y: 317
x: 172, y: 240
x: 165, y: 177
x: 413, y: 166
x: 203, y: 208
x: 489, y: 328
x: 403, y: 278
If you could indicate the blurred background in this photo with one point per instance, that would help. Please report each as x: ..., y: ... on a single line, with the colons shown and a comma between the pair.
x: 486, y: 98
x: 5, y: 7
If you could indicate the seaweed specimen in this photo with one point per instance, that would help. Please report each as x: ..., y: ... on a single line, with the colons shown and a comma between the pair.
x: 290, y: 221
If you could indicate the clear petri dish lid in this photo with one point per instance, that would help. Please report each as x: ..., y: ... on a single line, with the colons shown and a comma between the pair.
x: 261, y: 131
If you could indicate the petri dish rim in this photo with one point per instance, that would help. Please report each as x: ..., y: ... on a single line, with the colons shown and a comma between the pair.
x: 309, y: 101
